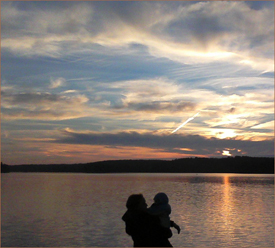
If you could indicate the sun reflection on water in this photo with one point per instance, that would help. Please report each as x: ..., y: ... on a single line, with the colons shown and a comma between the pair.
x: 227, y: 210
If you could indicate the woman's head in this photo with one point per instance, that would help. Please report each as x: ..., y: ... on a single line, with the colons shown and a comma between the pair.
x: 136, y: 202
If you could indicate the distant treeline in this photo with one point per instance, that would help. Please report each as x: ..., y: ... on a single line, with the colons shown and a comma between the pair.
x: 238, y: 164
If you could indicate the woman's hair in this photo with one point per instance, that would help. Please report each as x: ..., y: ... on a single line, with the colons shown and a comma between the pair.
x: 134, y: 201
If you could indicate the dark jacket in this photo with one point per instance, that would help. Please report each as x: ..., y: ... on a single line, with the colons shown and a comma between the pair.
x: 146, y: 230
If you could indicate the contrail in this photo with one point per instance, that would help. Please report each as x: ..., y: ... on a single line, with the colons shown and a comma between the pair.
x: 184, y: 123
x: 191, y: 118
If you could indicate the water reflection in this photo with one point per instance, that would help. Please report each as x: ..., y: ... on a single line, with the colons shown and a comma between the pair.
x: 85, y: 210
x: 226, y: 209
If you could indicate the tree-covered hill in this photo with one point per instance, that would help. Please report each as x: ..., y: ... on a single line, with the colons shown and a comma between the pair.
x: 254, y: 165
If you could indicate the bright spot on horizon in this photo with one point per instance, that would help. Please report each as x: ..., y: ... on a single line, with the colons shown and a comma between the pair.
x: 226, y: 153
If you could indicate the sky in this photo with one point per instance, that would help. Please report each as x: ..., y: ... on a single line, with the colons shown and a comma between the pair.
x: 92, y: 81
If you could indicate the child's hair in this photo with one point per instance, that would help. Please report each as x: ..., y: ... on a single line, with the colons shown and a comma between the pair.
x: 161, y: 198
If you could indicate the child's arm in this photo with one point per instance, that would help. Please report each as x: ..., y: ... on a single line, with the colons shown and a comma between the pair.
x: 173, y: 224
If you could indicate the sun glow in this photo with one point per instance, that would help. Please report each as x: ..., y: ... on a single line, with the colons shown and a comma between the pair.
x: 226, y: 153
x: 187, y: 149
x: 224, y: 133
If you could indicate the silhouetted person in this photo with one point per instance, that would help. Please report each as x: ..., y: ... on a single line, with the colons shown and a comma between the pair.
x: 162, y: 210
x: 144, y: 228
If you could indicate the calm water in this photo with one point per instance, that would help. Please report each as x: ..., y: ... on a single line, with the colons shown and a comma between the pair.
x: 84, y: 210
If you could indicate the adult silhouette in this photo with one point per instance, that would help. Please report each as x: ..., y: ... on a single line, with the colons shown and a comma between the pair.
x: 144, y: 228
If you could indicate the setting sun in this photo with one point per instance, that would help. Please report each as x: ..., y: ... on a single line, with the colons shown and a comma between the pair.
x: 226, y: 153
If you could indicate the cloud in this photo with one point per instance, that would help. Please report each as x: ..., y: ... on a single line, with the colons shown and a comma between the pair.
x: 152, y: 89
x: 126, y: 99
x: 57, y: 83
x: 193, y: 144
x: 45, y: 106
x: 196, y: 32
x: 149, y: 100
x: 265, y: 125
x: 43, y: 29
x: 135, y: 71
x: 246, y: 102
x: 38, y: 19
x: 151, y: 96
x: 170, y: 107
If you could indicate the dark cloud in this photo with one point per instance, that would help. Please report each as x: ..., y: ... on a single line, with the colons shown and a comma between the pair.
x: 171, y: 142
x: 38, y: 98
x: 30, y: 98
x: 39, y: 19
x: 36, y: 113
x: 37, y: 105
x: 232, y: 110
x: 196, y: 28
x: 223, y: 24
x: 162, y: 106
x: 257, y: 5
x: 157, y: 106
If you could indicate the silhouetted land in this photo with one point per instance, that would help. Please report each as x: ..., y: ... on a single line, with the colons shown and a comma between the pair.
x: 238, y: 164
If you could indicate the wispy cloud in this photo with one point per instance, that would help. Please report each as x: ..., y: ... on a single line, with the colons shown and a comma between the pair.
x: 196, y: 32
x: 134, y: 100
x: 45, y: 106
x: 57, y: 83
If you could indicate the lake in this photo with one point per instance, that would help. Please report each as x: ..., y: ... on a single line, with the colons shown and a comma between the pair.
x: 85, y: 210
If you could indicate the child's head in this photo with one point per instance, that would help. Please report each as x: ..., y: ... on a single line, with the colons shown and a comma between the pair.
x: 161, y: 198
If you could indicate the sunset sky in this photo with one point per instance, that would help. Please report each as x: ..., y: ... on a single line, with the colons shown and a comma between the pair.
x: 92, y: 81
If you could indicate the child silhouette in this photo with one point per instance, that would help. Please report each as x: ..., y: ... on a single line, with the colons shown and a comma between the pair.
x: 162, y: 209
